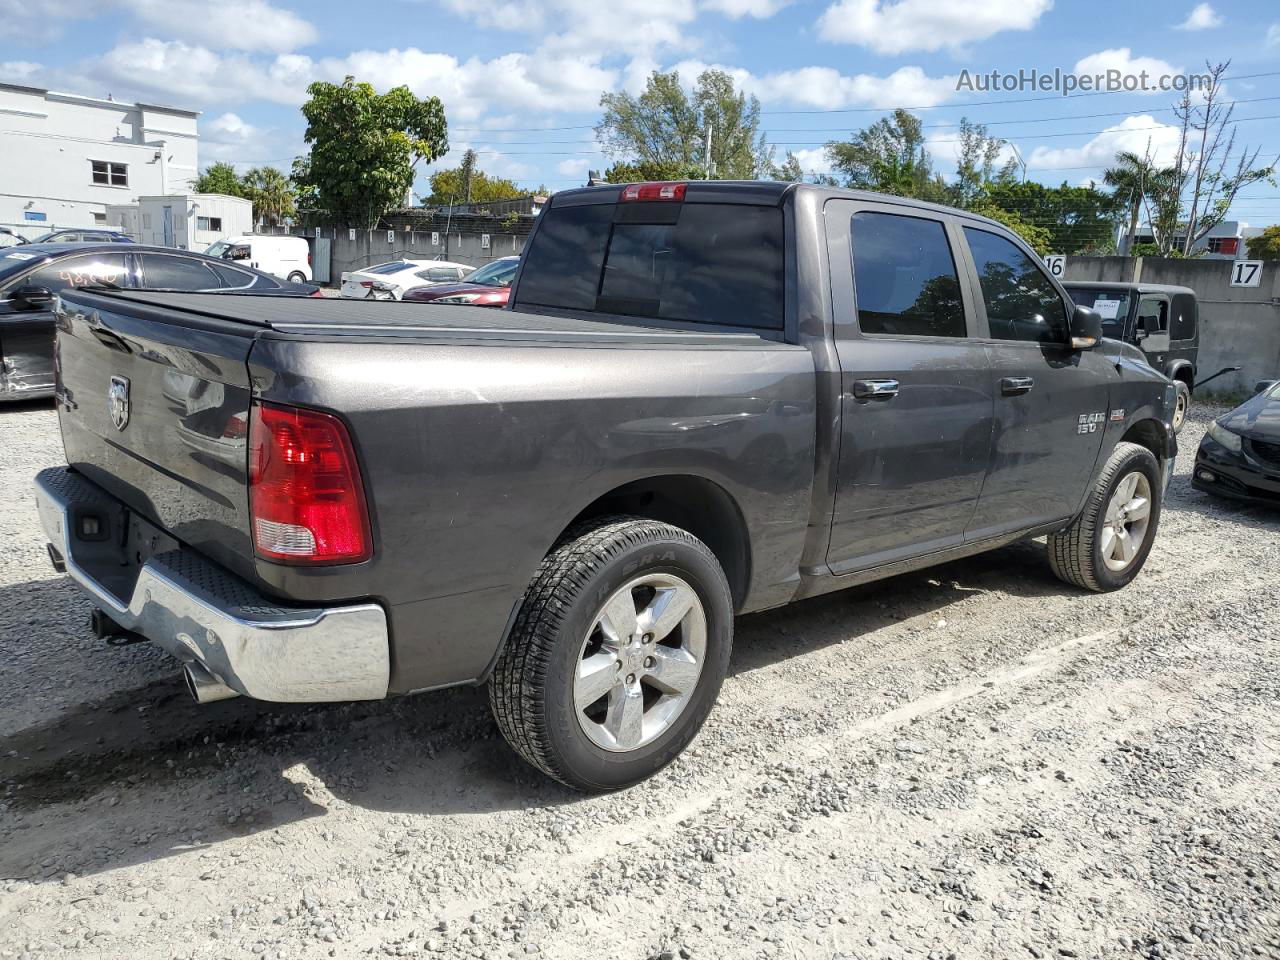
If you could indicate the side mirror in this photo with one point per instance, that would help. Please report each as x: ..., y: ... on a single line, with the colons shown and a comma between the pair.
x: 1086, y: 328
x: 32, y: 298
x: 1264, y: 385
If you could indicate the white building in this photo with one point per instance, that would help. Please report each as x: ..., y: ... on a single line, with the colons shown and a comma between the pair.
x: 1226, y: 241
x: 65, y: 158
x: 190, y: 221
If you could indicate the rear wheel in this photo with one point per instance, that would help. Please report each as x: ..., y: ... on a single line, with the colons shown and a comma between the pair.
x: 1181, y: 405
x: 1107, y: 544
x: 297, y: 277
x: 617, y: 654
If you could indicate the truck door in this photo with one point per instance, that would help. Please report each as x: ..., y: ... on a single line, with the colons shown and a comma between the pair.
x: 1152, y: 329
x: 1050, y: 400
x: 916, y: 400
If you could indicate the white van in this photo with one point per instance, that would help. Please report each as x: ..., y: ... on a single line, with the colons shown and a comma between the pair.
x: 288, y: 258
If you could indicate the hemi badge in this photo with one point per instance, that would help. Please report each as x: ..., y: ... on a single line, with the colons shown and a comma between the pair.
x: 1117, y: 415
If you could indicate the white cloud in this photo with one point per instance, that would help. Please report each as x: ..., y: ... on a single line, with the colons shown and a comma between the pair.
x: 828, y: 89
x: 897, y: 26
x: 1122, y: 60
x: 591, y: 28
x: 19, y: 71
x: 1201, y: 17
x: 1273, y: 35
x: 228, y: 128
x: 811, y: 160
x: 737, y: 9
x: 1137, y: 134
x: 239, y: 25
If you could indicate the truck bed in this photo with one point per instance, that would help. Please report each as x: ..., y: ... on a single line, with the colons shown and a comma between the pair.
x: 335, y: 317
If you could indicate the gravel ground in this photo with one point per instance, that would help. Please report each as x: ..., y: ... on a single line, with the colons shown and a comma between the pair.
x: 972, y: 761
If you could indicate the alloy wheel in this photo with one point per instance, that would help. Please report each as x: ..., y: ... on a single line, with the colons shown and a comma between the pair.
x: 640, y: 662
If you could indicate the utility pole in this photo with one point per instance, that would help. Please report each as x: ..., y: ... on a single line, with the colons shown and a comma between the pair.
x: 707, y: 160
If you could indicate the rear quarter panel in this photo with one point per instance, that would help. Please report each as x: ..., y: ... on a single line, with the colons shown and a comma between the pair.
x: 476, y: 457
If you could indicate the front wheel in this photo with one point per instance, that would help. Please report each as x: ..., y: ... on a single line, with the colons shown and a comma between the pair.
x: 1107, y: 544
x: 297, y: 277
x: 1180, y: 406
x: 617, y: 653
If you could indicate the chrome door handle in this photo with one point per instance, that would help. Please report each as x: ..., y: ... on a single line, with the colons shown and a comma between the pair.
x: 875, y: 389
x: 1012, y: 386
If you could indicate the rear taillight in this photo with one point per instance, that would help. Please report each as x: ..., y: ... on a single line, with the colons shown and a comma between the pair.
x: 316, y: 293
x: 366, y: 283
x: 653, y: 191
x: 306, y: 501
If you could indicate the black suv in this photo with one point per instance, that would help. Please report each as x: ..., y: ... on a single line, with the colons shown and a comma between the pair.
x: 1162, y: 321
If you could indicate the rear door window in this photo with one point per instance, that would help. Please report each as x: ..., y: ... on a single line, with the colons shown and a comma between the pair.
x: 904, y: 277
x: 712, y: 263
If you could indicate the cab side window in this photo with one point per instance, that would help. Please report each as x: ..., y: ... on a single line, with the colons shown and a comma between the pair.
x: 1153, y: 316
x: 905, y: 277
x: 1021, y: 302
x: 83, y: 271
x: 164, y: 271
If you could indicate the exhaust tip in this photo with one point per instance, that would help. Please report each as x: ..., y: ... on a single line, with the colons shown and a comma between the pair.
x: 204, y: 687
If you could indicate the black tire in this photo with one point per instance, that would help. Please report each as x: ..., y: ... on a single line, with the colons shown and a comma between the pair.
x: 531, y: 690
x: 297, y: 277
x: 1181, y: 406
x: 1075, y: 553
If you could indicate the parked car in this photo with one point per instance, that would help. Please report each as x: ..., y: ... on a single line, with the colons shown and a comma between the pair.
x: 1239, y: 455
x: 10, y: 238
x: 83, y: 236
x: 390, y: 281
x: 1162, y: 321
x: 286, y: 257
x: 687, y: 411
x: 488, y: 286
x: 32, y: 275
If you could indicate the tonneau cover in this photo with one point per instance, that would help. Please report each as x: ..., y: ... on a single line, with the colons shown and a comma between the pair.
x: 336, y: 316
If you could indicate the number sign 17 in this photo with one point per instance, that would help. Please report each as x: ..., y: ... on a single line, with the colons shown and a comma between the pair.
x: 1246, y: 273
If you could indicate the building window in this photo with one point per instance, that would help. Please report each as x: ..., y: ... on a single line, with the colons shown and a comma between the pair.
x: 109, y: 174
x: 209, y: 223
x: 99, y: 218
x: 146, y: 221
x: 1230, y: 245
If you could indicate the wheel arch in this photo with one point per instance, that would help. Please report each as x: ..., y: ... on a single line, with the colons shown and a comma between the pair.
x: 1183, y: 370
x: 1149, y: 433
x: 693, y: 503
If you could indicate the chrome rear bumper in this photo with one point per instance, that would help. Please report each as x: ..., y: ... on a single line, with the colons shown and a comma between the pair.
x: 207, y: 617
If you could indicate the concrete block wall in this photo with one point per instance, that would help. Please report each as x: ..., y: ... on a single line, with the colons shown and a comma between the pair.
x: 1238, y: 325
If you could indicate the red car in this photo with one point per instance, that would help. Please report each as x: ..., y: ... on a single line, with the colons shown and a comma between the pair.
x: 487, y: 287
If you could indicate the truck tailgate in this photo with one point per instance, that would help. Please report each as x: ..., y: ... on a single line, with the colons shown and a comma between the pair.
x: 154, y: 408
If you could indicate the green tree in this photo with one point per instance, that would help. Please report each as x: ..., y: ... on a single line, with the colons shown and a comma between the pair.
x: 1129, y: 179
x: 450, y: 186
x: 365, y: 146
x: 1037, y: 237
x: 976, y: 171
x: 1077, y: 219
x: 889, y: 157
x: 220, y: 177
x: 271, y: 193
x: 1266, y: 245
x: 667, y: 128
x: 789, y: 171
x: 647, y: 170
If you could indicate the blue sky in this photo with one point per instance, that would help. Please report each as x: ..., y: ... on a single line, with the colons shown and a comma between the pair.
x: 510, y: 71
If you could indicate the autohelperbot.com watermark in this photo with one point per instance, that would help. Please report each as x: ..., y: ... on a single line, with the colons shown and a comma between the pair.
x: 1067, y: 83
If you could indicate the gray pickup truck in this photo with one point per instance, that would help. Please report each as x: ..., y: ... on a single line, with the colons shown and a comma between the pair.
x: 705, y: 399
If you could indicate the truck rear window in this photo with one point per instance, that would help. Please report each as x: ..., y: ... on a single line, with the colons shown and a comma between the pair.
x: 712, y: 263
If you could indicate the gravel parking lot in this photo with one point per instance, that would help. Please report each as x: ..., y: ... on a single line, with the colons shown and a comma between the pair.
x: 971, y: 761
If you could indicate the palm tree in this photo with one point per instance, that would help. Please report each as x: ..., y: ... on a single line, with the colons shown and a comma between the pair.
x: 271, y: 194
x: 1130, y: 179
